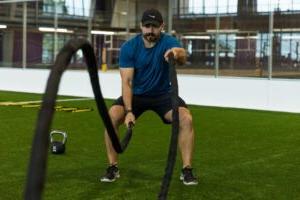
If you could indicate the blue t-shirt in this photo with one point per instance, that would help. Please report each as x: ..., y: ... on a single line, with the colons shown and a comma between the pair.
x: 151, y: 71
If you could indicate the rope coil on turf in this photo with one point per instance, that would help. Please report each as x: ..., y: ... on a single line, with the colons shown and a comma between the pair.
x: 39, y: 153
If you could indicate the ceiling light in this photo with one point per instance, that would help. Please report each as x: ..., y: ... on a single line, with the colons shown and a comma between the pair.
x: 58, y: 30
x: 102, y: 32
x: 222, y: 30
x: 203, y: 37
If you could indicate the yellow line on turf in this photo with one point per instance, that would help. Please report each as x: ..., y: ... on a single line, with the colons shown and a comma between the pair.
x: 20, y: 103
x: 31, y: 106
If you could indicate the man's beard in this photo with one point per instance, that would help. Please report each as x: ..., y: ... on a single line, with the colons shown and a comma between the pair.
x: 151, y: 37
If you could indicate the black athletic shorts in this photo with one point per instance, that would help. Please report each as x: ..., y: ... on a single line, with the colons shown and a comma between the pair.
x: 159, y: 104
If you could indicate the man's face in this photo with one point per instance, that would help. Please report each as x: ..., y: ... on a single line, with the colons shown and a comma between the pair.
x: 151, y: 32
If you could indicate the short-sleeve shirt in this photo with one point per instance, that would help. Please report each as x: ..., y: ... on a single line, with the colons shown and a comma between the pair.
x: 151, y: 71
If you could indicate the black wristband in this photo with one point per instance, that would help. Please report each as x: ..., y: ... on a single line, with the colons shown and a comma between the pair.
x: 128, y: 111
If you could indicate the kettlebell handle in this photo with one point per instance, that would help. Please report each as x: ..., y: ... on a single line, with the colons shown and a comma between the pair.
x: 64, y: 134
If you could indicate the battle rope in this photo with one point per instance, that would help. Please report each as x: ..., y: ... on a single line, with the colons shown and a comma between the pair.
x: 174, y: 137
x: 39, y: 153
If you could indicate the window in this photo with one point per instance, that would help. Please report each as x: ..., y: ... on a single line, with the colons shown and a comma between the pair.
x: 212, y: 6
x: 227, y: 44
x: 277, y: 5
x: 48, y: 46
x: 68, y: 7
x: 290, y: 46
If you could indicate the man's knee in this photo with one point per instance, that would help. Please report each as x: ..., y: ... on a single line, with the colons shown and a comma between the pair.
x: 116, y: 114
x: 186, y: 119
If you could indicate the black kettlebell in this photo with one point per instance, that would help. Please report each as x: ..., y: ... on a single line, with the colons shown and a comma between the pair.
x: 58, y: 147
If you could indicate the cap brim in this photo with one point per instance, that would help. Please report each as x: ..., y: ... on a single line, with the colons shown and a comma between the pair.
x: 148, y: 22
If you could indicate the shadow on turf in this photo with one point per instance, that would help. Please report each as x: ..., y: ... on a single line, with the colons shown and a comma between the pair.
x: 86, y: 184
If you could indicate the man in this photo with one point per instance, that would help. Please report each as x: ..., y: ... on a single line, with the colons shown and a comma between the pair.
x: 146, y: 86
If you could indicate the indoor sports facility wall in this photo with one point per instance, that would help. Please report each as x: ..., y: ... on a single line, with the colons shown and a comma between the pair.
x: 250, y: 93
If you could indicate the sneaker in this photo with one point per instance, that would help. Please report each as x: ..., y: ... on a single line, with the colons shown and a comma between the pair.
x: 187, y: 176
x: 112, y: 173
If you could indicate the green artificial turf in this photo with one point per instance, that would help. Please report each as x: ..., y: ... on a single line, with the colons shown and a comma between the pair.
x: 239, y: 154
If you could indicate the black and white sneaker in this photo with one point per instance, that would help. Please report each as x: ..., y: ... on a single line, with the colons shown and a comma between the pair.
x: 112, y: 173
x: 187, y: 176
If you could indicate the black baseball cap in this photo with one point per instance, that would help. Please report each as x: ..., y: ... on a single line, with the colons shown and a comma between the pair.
x: 152, y: 16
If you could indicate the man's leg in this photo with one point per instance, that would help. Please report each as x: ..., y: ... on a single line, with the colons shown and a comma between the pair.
x: 116, y: 113
x: 186, y: 144
x: 186, y: 135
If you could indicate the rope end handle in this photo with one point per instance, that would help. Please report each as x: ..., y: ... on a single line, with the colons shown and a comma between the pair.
x: 130, y: 125
x: 171, y: 59
x: 127, y: 137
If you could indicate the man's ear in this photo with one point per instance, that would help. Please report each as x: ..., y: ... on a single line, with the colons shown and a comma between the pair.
x: 162, y: 27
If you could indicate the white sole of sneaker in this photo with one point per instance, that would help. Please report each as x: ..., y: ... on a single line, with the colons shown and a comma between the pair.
x: 190, y: 183
x: 106, y: 180
x: 187, y: 183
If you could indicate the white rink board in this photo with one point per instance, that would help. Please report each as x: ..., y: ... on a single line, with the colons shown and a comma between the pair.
x: 250, y: 93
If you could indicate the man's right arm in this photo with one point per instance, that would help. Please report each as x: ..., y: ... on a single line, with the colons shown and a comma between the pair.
x: 127, y: 77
